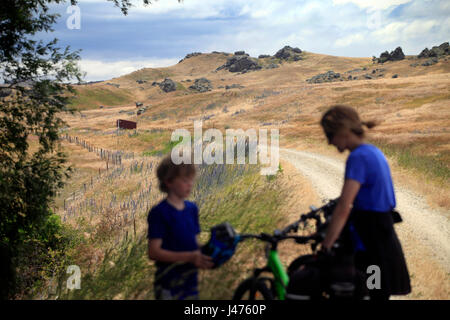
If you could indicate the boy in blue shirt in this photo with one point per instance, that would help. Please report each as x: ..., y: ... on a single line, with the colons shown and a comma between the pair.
x: 173, y: 225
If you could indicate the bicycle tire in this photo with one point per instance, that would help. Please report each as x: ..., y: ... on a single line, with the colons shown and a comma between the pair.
x: 247, y: 285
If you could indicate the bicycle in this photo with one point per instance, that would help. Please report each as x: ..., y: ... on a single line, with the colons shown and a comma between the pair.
x: 256, y: 285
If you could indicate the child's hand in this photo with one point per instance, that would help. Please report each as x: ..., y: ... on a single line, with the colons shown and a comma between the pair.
x: 201, y: 261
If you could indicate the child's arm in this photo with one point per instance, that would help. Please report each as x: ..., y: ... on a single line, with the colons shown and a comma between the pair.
x: 155, y: 252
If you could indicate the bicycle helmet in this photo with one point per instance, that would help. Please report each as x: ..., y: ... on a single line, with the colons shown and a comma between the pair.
x: 222, y: 244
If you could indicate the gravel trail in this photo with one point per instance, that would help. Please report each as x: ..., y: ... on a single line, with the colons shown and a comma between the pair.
x: 428, y: 226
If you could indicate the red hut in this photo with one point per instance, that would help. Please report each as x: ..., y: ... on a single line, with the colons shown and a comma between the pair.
x: 125, y: 124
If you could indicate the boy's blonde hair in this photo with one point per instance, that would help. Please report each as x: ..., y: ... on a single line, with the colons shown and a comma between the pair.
x: 167, y: 171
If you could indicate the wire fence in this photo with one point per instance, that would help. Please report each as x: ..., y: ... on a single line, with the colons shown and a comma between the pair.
x: 110, y: 156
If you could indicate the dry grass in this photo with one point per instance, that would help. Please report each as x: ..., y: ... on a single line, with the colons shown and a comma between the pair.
x: 414, y: 111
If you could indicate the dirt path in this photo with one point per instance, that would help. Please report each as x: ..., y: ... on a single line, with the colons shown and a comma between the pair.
x: 424, y: 234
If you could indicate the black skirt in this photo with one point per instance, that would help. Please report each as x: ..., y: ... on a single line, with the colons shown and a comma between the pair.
x: 383, y: 248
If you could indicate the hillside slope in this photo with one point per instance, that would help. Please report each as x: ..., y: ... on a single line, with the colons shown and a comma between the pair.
x: 411, y: 101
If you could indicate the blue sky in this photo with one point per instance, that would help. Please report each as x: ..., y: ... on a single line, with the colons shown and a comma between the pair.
x: 162, y: 33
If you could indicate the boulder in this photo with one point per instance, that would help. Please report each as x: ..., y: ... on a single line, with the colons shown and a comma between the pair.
x: 240, y: 53
x: 395, y: 55
x: 272, y: 66
x: 190, y: 55
x: 234, y: 86
x: 262, y: 56
x: 240, y: 63
x: 289, y: 53
x: 328, y: 76
x: 425, y: 53
x: 168, y: 85
x: 142, y: 110
x: 219, y: 52
x: 201, y: 85
x: 437, y: 51
x: 430, y: 62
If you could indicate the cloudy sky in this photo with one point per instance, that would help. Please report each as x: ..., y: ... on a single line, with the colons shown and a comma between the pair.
x: 164, y: 32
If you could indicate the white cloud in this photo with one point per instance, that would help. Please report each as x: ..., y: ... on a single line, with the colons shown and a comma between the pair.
x: 336, y: 27
x: 372, y: 4
x: 351, y: 39
x: 194, y: 9
x: 390, y: 33
x: 397, y: 32
x: 103, y: 70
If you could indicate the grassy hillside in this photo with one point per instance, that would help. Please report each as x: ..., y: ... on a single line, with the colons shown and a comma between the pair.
x: 413, y: 108
x: 92, y: 97
x: 113, y: 257
x: 106, y: 204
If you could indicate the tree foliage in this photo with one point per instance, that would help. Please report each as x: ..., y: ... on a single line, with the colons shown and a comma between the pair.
x: 35, y: 89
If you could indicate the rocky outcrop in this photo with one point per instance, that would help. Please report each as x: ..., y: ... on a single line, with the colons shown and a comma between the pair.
x: 262, y: 56
x: 220, y: 52
x: 190, y: 55
x: 233, y: 86
x: 395, y: 55
x: 328, y: 76
x: 355, y: 74
x: 240, y: 63
x: 142, y: 110
x: 430, y: 62
x: 272, y: 66
x: 167, y: 85
x: 289, y: 53
x: 436, y: 51
x: 240, y: 53
x: 202, y: 85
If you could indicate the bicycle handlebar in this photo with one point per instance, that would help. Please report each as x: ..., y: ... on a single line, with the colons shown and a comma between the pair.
x: 274, y: 238
x: 282, y: 235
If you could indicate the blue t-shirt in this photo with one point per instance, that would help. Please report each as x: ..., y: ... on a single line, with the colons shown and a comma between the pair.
x: 178, y: 230
x: 368, y: 165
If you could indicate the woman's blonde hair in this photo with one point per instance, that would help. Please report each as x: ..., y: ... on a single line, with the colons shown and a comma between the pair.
x: 339, y: 117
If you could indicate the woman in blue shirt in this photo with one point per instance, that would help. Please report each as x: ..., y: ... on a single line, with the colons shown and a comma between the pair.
x: 367, y: 201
